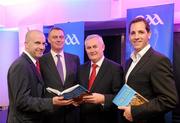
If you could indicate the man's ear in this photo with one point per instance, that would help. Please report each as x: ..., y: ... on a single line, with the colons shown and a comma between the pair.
x: 49, y: 41
x: 25, y: 43
x: 149, y: 35
x: 103, y: 47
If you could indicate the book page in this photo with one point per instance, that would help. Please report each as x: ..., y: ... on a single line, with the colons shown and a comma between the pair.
x: 52, y: 90
x: 69, y: 89
x: 70, y: 93
x: 138, y: 100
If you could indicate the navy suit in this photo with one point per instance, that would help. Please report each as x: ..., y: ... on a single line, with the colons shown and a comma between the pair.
x: 107, y: 82
x: 153, y: 78
x: 64, y: 114
x: 26, y: 88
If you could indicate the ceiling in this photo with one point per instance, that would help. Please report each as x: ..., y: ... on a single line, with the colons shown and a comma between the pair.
x: 14, y: 2
x: 89, y: 25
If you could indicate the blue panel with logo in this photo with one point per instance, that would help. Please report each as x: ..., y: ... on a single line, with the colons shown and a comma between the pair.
x: 161, y: 20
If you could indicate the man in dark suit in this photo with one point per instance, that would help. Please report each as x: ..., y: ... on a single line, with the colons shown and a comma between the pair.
x: 25, y: 84
x: 150, y: 74
x: 49, y: 69
x: 98, y: 107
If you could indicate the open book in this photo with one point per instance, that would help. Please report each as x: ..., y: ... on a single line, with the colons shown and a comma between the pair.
x: 70, y: 93
x: 128, y: 96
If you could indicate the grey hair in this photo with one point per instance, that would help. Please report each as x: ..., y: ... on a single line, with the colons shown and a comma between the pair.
x: 94, y: 36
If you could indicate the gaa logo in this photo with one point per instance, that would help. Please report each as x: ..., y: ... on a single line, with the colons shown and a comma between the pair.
x: 154, y: 19
x: 71, y: 39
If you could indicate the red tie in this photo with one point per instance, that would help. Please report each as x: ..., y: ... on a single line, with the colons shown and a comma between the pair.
x: 38, y: 66
x: 93, y: 76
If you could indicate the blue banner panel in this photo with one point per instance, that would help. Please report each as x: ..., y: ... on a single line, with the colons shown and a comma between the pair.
x: 74, y: 37
x: 161, y: 19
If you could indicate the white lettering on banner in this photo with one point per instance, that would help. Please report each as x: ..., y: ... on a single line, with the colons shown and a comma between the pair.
x: 71, y: 39
x: 154, y: 19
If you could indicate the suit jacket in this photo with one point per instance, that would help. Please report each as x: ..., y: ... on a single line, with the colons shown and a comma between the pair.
x: 108, y: 82
x: 26, y: 88
x: 153, y: 78
x: 64, y: 114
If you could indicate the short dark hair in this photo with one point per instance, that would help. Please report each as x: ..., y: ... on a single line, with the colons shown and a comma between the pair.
x: 55, y: 28
x: 140, y: 19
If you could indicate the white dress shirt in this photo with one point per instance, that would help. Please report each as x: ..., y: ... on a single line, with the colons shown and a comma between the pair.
x: 99, y: 63
x: 32, y: 59
x: 62, y: 60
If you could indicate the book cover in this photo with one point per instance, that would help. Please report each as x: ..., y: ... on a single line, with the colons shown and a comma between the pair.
x: 70, y: 93
x: 128, y: 96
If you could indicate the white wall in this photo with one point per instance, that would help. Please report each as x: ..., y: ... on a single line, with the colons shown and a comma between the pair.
x: 2, y: 16
x: 58, y: 11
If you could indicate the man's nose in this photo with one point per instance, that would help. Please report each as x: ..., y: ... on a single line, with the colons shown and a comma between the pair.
x: 136, y: 36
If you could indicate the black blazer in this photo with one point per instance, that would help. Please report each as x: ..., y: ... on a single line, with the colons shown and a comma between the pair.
x: 65, y: 114
x: 26, y: 88
x: 108, y: 82
x: 153, y: 78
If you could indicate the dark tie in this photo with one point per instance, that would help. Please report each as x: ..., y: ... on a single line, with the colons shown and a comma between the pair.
x: 60, y: 68
x: 38, y: 66
x: 92, y: 76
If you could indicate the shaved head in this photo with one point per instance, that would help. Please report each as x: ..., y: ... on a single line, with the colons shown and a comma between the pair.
x: 35, y: 43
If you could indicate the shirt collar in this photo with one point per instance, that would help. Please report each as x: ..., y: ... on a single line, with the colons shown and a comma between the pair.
x: 54, y: 54
x: 140, y: 53
x: 99, y: 63
x: 32, y: 59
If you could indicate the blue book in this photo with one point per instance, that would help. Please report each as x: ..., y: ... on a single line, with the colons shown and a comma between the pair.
x: 70, y: 93
x: 128, y: 96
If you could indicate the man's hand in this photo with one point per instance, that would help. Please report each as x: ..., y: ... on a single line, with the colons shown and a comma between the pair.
x: 60, y: 101
x: 127, y: 112
x: 77, y: 101
x: 94, y: 98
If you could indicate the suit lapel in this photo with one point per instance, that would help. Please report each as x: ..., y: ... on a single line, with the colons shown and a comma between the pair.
x: 141, y: 63
x: 100, y: 74
x: 68, y: 66
x: 33, y: 67
x: 86, y: 72
x: 128, y: 63
x: 52, y: 66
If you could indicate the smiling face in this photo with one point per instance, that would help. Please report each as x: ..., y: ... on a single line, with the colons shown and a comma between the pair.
x: 56, y: 39
x: 94, y: 49
x: 35, y: 43
x: 139, y: 36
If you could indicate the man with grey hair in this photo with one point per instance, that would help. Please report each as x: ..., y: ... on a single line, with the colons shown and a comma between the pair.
x: 103, y: 78
x: 59, y: 71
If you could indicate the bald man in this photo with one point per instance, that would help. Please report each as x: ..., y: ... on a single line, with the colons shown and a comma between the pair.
x: 25, y: 84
